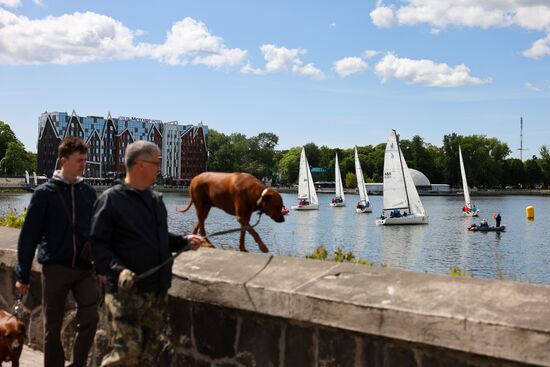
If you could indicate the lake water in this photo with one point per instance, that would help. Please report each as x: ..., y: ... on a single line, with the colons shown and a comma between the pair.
x: 521, y: 253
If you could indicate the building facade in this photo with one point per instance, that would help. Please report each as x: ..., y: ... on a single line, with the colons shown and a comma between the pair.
x: 183, y: 147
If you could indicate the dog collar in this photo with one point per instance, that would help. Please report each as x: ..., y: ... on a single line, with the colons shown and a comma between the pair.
x: 261, y: 197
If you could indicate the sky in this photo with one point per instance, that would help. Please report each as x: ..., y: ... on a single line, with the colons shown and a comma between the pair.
x: 336, y: 73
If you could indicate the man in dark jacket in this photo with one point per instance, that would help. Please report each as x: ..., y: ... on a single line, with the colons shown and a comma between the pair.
x: 130, y: 236
x: 58, y: 221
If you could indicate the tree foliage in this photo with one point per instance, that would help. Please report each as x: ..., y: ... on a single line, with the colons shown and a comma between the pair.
x: 6, y: 136
x: 485, y: 159
x: 17, y: 160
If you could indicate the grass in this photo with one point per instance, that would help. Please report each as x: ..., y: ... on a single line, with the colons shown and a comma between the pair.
x: 13, y: 219
x: 339, y: 255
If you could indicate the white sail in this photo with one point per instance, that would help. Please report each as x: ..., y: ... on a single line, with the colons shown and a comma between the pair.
x: 306, y: 189
x: 360, y: 179
x: 467, y: 199
x: 338, y: 178
x: 399, y: 189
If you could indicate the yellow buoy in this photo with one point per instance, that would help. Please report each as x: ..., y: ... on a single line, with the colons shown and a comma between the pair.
x: 530, y: 212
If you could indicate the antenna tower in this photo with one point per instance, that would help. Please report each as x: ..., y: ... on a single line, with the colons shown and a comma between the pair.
x: 521, y: 148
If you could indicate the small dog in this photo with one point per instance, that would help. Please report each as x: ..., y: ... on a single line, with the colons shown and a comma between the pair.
x: 238, y: 194
x: 12, y: 337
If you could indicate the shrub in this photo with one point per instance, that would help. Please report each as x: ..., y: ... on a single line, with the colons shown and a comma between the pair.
x: 13, y: 219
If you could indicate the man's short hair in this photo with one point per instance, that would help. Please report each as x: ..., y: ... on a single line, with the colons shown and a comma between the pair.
x: 69, y: 145
x: 138, y: 150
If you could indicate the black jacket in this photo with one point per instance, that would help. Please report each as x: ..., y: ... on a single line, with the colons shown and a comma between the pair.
x: 47, y: 225
x: 127, y: 232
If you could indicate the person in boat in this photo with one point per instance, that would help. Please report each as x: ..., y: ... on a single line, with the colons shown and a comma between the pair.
x: 498, y: 219
x: 483, y: 224
x: 360, y: 205
x: 474, y: 209
x: 405, y: 213
x: 395, y: 213
x: 466, y: 209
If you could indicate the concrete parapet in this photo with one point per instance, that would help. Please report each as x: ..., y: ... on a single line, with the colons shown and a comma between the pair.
x: 239, y: 309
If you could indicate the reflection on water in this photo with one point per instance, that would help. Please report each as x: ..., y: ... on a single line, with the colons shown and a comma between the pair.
x: 521, y: 253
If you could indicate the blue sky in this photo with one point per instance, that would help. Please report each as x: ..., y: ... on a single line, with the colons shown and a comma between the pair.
x: 335, y: 73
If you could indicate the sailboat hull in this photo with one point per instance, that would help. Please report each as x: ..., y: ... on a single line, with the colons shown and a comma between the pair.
x: 364, y: 210
x: 409, y: 219
x: 367, y: 210
x: 337, y: 205
x: 471, y: 214
x: 305, y: 207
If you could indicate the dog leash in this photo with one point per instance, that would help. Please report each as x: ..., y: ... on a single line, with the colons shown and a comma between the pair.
x: 17, y: 307
x: 153, y: 270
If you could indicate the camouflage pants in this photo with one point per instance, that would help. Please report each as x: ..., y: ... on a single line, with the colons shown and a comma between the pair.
x: 137, y: 322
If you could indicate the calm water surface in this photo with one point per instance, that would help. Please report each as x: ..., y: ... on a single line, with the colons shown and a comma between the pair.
x: 521, y: 253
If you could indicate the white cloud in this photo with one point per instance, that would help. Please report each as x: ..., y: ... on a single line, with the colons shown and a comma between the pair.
x: 78, y: 37
x: 248, y: 69
x: 332, y: 25
x: 87, y: 37
x: 531, y: 14
x: 38, y: 2
x: 532, y: 88
x: 425, y: 72
x: 10, y: 3
x: 383, y: 17
x: 282, y: 59
x: 349, y: 66
x: 369, y: 54
x: 539, y: 48
x: 190, y: 38
x: 440, y: 14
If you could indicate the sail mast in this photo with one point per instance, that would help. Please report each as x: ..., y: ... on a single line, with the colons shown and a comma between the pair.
x: 308, y: 173
x: 402, y: 171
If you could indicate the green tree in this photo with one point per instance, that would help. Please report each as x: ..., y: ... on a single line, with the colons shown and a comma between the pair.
x: 6, y: 136
x: 17, y: 160
x: 544, y: 163
x: 483, y: 159
x: 533, y: 172
x: 513, y: 172
x: 261, y: 155
x: 289, y: 165
x: 313, y: 154
x: 351, y: 180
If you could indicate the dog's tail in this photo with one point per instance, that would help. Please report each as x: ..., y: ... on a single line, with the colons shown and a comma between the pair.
x: 179, y: 210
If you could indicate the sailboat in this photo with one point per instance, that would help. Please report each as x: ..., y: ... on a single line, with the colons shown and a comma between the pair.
x: 339, y: 199
x: 307, y: 197
x: 363, y: 206
x: 400, y: 195
x: 468, y: 209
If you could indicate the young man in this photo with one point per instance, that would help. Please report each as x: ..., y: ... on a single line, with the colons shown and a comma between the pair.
x: 58, y: 221
x: 130, y: 236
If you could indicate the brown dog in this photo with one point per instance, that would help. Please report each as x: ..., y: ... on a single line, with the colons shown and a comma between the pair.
x: 12, y: 337
x: 238, y: 194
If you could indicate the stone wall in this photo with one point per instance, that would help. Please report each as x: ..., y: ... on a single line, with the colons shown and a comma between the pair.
x: 236, y: 309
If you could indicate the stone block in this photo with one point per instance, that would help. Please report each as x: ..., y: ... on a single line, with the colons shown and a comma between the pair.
x: 180, y: 321
x: 260, y: 337
x: 188, y: 361
x: 214, y: 331
x: 336, y: 349
x: 299, y: 346
x: 399, y: 355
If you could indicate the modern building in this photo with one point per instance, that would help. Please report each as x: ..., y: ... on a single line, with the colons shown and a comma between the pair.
x: 422, y: 183
x: 183, y: 147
